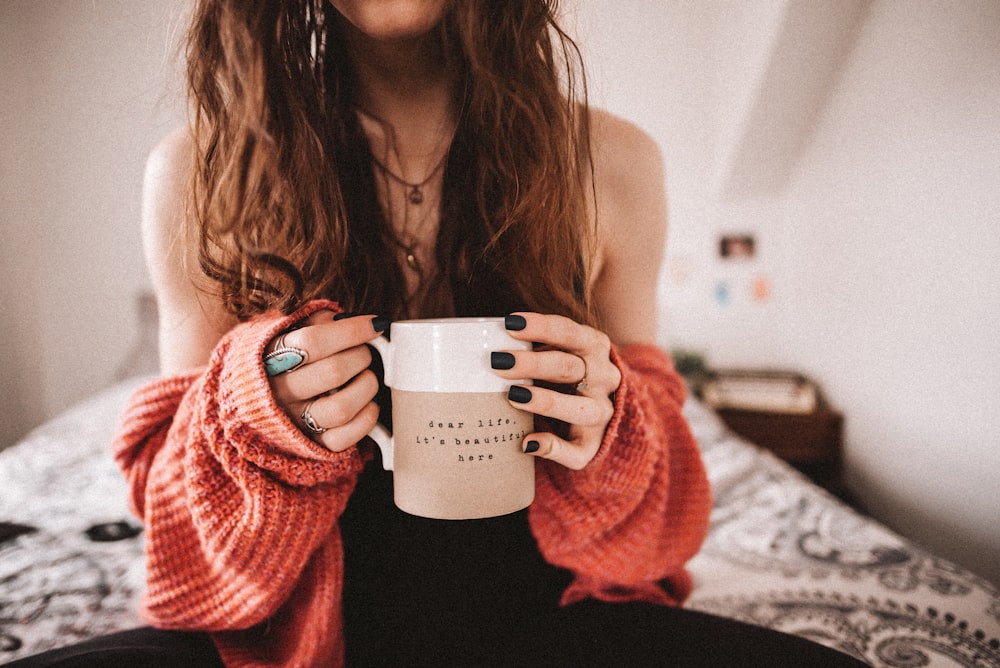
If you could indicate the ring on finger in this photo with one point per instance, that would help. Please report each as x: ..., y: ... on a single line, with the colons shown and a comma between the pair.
x: 283, y: 358
x: 309, y: 421
x: 582, y: 383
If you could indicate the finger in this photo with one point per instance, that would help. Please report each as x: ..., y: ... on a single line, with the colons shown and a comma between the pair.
x: 329, y: 336
x: 335, y: 410
x: 321, y: 376
x: 557, y: 331
x: 278, y: 362
x: 573, y: 455
x: 554, y: 366
x: 340, y: 438
x: 580, y: 410
x: 591, y: 345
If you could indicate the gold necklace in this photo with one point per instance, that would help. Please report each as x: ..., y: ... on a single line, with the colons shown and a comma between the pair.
x: 409, y: 238
x: 414, y: 193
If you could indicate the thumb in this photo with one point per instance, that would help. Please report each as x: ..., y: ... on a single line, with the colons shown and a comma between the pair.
x: 571, y: 454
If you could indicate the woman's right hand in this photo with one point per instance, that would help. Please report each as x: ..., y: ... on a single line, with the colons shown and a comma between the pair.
x: 330, y: 395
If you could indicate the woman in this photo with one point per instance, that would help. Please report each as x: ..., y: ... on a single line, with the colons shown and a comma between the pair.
x: 402, y: 158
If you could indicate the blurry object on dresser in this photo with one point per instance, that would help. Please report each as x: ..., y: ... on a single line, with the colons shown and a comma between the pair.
x: 761, y: 390
x: 782, y: 411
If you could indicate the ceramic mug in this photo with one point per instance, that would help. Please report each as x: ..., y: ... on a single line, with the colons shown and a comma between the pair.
x: 455, y: 451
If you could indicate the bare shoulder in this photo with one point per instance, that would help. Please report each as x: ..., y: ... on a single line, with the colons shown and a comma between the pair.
x: 631, y: 213
x: 624, y: 154
x: 164, y: 197
x: 629, y: 184
x: 174, y: 150
x: 191, y: 318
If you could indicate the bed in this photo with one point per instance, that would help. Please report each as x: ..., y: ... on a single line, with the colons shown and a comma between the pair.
x: 781, y: 553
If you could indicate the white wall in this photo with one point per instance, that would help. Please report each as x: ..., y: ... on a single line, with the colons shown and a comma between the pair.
x: 899, y: 200
x: 876, y: 228
x: 86, y: 89
x: 877, y: 238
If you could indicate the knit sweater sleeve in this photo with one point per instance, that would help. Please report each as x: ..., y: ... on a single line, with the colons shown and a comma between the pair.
x: 627, y: 523
x: 236, y: 501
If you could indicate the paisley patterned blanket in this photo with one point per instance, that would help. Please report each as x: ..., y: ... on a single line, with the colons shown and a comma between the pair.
x: 781, y: 553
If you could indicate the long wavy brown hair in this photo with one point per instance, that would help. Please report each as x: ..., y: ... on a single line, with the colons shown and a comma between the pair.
x: 284, y: 199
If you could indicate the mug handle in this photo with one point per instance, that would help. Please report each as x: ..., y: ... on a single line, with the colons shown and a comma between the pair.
x: 383, y: 439
x: 379, y: 433
x: 384, y: 348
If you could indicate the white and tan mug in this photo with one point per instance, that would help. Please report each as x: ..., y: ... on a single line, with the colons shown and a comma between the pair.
x: 455, y: 450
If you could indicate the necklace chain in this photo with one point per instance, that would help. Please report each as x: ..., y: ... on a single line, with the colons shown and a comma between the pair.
x: 415, y: 193
x: 408, y: 240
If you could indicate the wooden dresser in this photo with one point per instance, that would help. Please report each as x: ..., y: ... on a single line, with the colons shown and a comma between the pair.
x: 810, y: 442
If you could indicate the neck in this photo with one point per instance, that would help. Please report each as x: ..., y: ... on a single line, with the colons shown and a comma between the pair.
x: 409, y: 84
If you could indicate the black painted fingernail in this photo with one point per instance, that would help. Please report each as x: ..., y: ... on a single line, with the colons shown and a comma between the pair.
x: 344, y: 316
x: 531, y: 446
x: 521, y: 395
x: 515, y: 322
x: 381, y: 323
x: 501, y: 361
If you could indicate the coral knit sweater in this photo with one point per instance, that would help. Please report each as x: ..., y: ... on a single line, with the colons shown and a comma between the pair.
x: 241, y: 509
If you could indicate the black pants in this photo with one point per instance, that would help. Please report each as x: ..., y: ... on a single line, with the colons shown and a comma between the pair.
x: 585, y: 634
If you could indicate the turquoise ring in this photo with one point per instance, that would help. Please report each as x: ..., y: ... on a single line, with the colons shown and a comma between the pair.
x: 282, y: 358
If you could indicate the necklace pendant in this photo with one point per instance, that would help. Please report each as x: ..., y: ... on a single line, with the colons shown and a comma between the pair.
x: 416, y: 195
x: 411, y: 261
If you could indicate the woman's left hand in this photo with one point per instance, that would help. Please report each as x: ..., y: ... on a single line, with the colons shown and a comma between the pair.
x: 574, y: 378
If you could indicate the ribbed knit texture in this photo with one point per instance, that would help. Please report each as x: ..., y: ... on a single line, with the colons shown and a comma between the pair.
x: 241, y: 508
x: 629, y: 521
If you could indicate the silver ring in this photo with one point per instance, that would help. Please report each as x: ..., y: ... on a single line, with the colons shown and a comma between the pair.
x: 582, y: 383
x: 309, y: 421
x: 282, y: 358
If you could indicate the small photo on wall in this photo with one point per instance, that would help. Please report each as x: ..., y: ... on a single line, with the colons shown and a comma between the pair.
x: 737, y: 246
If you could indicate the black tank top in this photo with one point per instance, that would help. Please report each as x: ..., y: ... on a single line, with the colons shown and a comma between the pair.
x: 412, y: 582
